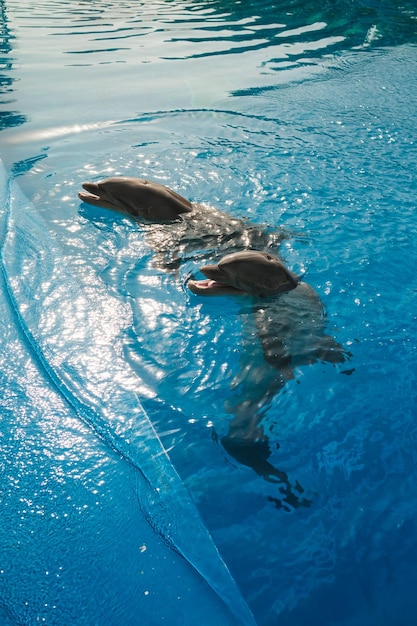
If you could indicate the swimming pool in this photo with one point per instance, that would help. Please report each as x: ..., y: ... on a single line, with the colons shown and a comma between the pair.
x: 292, y: 114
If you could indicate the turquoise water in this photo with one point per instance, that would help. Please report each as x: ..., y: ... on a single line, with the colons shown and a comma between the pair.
x: 296, y: 115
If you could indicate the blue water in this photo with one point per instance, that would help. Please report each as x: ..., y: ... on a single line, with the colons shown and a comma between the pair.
x: 297, y: 115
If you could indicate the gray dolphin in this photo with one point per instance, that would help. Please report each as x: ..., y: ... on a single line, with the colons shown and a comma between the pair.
x: 184, y: 229
x: 246, y: 272
x: 136, y: 197
x: 288, y: 317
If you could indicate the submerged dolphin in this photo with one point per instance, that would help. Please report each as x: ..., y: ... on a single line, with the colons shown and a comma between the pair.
x: 184, y: 229
x: 288, y: 317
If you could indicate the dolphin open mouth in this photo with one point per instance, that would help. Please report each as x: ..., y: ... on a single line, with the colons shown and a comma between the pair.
x: 216, y: 283
x: 210, y: 287
x: 92, y: 189
x: 94, y: 195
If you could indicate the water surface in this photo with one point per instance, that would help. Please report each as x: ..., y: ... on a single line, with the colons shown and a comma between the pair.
x: 297, y: 115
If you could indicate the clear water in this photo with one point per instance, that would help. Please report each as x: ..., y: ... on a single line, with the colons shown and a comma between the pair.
x: 300, y: 115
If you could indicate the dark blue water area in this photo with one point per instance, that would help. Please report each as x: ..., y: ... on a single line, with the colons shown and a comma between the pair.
x: 297, y: 116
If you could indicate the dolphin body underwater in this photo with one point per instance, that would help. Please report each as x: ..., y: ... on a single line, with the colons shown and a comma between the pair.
x: 285, y: 313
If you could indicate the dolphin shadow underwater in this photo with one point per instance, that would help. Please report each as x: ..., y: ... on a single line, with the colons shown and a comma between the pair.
x: 280, y: 313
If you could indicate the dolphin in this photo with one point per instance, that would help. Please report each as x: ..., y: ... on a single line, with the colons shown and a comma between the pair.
x: 246, y: 272
x: 137, y: 197
x: 288, y: 318
x: 291, y: 326
x: 176, y: 229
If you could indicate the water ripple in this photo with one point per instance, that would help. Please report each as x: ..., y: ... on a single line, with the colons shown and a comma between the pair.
x: 191, y: 30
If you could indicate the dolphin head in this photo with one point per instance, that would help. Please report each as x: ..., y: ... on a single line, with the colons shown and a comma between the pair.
x: 137, y: 197
x: 245, y: 273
